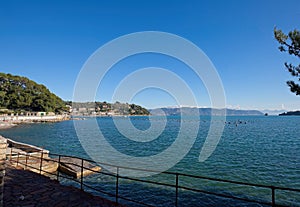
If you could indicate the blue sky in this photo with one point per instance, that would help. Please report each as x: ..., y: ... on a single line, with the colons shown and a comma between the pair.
x: 49, y: 42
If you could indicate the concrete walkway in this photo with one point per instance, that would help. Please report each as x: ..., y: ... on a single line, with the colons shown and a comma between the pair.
x: 28, y: 189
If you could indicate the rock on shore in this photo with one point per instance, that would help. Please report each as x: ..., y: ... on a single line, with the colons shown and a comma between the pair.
x: 6, y: 125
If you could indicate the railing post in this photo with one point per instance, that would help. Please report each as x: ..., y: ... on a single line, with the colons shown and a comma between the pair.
x: 41, y: 164
x: 57, y: 175
x: 18, y: 159
x: 176, y: 199
x: 273, y: 196
x: 11, y: 149
x: 117, y: 186
x: 26, y: 160
x: 81, y: 176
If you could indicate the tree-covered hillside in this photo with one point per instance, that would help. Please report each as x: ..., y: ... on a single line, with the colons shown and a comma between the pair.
x: 21, y: 94
x: 105, y: 107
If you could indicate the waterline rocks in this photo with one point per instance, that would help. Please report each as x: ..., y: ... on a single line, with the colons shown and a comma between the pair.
x: 30, y: 157
x: 3, y: 146
x: 76, y: 167
x: 36, y: 159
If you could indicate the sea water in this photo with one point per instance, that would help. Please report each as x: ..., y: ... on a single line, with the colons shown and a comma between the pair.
x: 254, y: 149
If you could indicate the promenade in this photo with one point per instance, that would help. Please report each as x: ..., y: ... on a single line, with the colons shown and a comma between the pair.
x: 28, y: 189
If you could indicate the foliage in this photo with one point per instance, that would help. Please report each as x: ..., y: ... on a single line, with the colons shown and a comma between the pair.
x: 138, y: 110
x: 21, y: 94
x: 290, y: 43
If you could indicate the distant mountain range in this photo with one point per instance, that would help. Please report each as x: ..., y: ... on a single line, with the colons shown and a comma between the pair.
x: 273, y: 112
x: 203, y: 112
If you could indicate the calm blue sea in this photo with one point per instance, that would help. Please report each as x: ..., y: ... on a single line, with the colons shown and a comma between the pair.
x: 255, y: 149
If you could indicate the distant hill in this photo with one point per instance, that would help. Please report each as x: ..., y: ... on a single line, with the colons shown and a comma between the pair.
x: 105, y: 108
x: 204, y: 112
x: 290, y: 113
x: 22, y: 94
x: 273, y: 112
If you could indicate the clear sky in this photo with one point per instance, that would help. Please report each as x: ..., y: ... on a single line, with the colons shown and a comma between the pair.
x: 49, y: 41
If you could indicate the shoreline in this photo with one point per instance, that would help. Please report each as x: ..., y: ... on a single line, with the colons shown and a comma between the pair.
x: 6, y: 125
x: 12, y: 121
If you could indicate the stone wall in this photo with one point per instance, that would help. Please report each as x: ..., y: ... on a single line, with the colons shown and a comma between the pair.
x: 3, y: 146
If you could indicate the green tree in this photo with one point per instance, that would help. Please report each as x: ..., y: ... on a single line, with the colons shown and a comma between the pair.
x: 21, y: 94
x: 290, y: 43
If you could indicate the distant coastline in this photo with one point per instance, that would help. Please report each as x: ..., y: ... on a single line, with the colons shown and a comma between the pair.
x: 290, y: 113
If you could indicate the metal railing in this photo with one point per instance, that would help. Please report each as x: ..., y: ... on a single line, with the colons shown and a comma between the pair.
x: 22, y: 159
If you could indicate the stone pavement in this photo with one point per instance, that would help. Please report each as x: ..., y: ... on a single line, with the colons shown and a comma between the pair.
x: 28, y: 189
